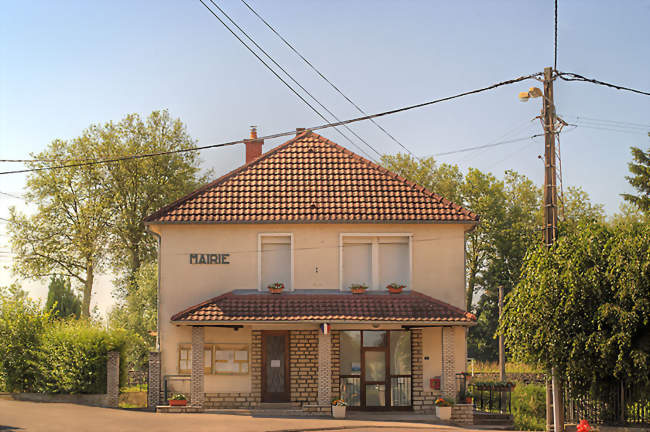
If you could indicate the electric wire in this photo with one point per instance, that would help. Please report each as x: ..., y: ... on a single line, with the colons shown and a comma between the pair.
x: 287, y: 73
x: 496, y: 144
x: 325, y: 78
x: 276, y: 135
x: 569, y: 76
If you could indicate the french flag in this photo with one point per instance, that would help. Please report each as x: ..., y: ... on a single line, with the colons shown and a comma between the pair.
x: 325, y: 328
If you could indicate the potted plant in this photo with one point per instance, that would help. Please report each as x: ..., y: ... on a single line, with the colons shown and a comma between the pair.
x: 178, y: 400
x: 395, y: 288
x: 443, y: 408
x: 338, y: 408
x: 358, y: 288
x: 276, y: 288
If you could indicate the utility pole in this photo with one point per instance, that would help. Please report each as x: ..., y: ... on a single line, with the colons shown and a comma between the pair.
x: 550, y: 217
x: 502, y: 356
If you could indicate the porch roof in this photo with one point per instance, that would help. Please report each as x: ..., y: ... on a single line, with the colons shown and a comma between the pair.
x: 323, y: 305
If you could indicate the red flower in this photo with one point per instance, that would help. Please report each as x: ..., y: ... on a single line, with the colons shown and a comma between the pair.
x: 583, y: 426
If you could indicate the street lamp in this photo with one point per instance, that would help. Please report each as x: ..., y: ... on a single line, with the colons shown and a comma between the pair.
x: 533, y: 92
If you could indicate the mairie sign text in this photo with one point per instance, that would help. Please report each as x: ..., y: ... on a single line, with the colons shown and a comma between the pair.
x: 209, y: 258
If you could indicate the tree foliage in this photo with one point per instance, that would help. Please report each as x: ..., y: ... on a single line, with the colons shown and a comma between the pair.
x: 640, y: 179
x: 138, y: 312
x: 67, y: 233
x: 583, y: 306
x: 61, y: 299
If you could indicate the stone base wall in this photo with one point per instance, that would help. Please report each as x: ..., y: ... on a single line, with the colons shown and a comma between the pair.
x: 317, y: 410
x: 417, y: 380
x: 462, y: 414
x: 230, y: 400
x: 303, y: 366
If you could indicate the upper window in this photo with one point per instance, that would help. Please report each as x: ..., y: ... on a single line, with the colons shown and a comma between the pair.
x: 376, y: 260
x: 275, y: 260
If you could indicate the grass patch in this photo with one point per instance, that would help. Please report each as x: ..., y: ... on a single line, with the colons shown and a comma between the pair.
x: 529, y: 407
x: 134, y: 389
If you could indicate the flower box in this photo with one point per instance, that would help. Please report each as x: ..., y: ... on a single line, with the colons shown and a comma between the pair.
x: 276, y: 288
x: 182, y: 402
x: 358, y: 289
x: 338, y: 411
x: 395, y: 288
x: 443, y: 412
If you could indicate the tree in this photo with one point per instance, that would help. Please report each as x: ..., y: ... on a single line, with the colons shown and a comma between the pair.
x: 445, y: 180
x: 510, y: 227
x: 582, y: 307
x: 136, y: 188
x: 67, y: 233
x: 640, y: 179
x: 61, y: 299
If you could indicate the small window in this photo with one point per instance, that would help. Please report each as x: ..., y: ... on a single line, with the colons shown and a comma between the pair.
x: 275, y: 260
x: 376, y: 260
x: 185, y: 359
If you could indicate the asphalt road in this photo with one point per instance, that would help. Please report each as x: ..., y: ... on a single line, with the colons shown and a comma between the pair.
x: 53, y: 417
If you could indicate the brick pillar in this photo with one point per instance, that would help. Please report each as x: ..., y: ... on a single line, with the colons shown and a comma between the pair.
x: 448, y: 384
x: 256, y: 367
x: 113, y: 379
x: 417, y: 379
x: 336, y: 364
x: 196, y: 383
x: 153, y: 388
x: 324, y: 368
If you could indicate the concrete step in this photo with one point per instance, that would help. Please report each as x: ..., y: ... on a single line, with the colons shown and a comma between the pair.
x: 276, y: 406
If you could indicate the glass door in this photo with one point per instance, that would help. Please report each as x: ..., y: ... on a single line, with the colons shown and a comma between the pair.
x: 374, y: 360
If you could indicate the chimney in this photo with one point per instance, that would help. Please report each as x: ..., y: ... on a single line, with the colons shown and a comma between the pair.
x: 299, y: 131
x: 254, y: 146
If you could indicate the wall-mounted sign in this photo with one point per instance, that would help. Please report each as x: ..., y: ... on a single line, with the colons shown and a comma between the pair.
x: 209, y: 258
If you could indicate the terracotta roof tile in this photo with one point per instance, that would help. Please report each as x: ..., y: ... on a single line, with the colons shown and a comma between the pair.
x: 409, y: 306
x: 311, y: 179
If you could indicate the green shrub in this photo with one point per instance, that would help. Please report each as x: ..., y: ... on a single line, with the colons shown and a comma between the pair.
x: 21, y: 324
x: 72, y: 357
x: 529, y: 407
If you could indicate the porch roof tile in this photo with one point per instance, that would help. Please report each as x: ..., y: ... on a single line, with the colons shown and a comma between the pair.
x: 250, y: 305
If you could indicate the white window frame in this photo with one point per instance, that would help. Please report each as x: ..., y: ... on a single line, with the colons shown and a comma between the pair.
x: 259, y: 257
x: 375, y: 257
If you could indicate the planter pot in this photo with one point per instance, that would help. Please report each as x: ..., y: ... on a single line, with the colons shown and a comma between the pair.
x: 443, y: 413
x: 275, y: 290
x: 394, y: 290
x: 177, y: 402
x: 357, y: 291
x: 338, y: 411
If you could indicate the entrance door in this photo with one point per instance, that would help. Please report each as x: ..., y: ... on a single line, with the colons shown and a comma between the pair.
x: 275, y: 371
x: 374, y: 358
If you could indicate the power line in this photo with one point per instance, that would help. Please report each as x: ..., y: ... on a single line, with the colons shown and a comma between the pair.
x: 325, y: 78
x: 569, y: 76
x: 287, y: 73
x: 612, y: 122
x: 281, y: 134
x: 514, y: 140
x: 11, y: 195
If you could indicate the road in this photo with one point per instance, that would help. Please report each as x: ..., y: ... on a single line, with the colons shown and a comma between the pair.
x: 54, y: 417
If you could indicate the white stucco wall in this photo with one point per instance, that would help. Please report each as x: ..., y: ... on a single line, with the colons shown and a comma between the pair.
x: 437, y: 270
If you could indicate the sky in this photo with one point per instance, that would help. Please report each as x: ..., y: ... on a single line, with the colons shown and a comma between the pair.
x: 68, y: 64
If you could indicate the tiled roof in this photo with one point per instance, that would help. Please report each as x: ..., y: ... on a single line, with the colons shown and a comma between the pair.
x: 409, y: 306
x: 311, y: 179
